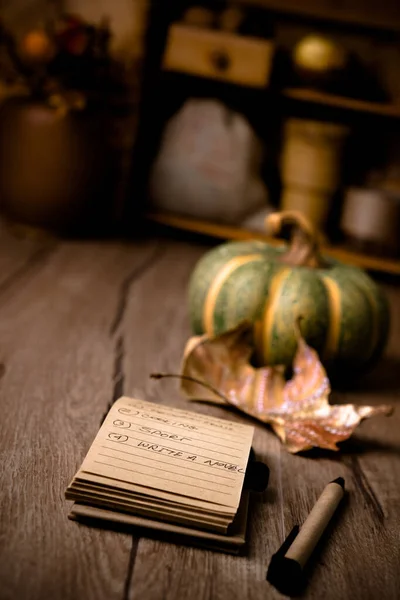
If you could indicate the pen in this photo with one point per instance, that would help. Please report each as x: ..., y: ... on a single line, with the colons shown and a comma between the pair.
x: 285, y: 571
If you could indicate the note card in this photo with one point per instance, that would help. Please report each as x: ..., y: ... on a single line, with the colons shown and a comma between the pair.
x: 166, y: 463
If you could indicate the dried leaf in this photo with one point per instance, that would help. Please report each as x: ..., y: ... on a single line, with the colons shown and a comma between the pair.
x: 218, y: 370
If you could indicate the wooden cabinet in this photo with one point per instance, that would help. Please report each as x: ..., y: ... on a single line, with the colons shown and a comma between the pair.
x: 367, y: 13
x: 218, y: 55
x: 206, y: 62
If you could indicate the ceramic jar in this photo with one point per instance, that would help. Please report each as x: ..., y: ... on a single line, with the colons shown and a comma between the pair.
x: 56, y: 169
x: 371, y: 220
x: 310, y: 167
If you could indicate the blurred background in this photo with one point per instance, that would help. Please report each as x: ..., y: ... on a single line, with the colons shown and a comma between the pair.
x: 203, y: 116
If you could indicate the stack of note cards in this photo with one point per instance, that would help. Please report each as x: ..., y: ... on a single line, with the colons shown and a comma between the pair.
x: 168, y: 470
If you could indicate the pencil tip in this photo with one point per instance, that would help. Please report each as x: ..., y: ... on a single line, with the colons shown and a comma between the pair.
x: 339, y: 481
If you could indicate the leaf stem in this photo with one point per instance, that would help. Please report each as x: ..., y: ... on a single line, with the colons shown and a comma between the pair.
x: 191, y: 379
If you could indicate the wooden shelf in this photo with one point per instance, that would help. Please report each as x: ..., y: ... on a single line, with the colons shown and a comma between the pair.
x: 372, y: 263
x: 342, y: 102
x: 361, y: 16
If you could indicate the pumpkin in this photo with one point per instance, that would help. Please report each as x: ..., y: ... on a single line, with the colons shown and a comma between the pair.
x: 344, y: 314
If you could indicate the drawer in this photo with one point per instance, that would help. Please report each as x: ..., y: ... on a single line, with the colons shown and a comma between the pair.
x: 218, y: 55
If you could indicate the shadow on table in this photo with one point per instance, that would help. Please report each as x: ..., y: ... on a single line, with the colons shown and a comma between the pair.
x: 384, y: 377
x: 354, y: 446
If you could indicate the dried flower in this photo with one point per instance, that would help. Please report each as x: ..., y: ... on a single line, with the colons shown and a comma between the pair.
x: 68, y: 55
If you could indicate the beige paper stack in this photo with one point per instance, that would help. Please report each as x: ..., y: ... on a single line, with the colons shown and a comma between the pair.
x: 168, y: 469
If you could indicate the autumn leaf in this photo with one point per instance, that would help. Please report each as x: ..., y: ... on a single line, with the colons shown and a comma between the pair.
x: 217, y: 369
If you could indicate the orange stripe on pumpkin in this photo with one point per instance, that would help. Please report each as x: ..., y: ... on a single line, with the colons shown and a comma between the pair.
x: 270, y: 312
x: 216, y: 286
x: 333, y: 334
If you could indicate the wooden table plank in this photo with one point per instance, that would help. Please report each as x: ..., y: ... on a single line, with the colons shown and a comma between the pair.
x: 84, y: 324
x: 359, y: 559
x: 20, y: 257
x: 377, y: 465
x: 167, y: 571
x: 59, y: 355
x: 173, y: 572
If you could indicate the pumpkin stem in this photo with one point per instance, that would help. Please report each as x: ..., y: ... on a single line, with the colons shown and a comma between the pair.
x: 303, y: 250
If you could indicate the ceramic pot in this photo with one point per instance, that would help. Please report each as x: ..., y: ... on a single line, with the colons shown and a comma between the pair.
x: 56, y: 170
x: 371, y: 219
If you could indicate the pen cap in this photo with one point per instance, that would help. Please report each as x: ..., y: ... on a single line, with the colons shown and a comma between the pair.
x: 257, y: 475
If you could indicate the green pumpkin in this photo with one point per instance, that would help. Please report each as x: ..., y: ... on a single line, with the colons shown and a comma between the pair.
x: 345, y: 315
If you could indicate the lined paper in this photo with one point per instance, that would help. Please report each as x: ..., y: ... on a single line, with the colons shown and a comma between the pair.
x: 170, y: 454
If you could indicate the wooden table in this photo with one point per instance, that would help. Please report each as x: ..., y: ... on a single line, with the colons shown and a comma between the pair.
x: 83, y: 322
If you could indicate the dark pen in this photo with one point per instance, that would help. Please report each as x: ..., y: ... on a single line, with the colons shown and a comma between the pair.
x: 285, y: 571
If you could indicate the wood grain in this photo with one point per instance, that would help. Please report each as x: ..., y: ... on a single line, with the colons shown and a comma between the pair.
x: 358, y: 556
x: 360, y: 535
x: 90, y: 321
x: 59, y: 357
x: 169, y: 571
x: 19, y: 256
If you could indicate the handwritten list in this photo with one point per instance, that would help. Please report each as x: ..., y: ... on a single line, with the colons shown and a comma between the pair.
x: 155, y: 459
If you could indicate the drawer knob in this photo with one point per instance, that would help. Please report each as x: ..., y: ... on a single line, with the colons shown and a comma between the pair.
x: 221, y: 60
